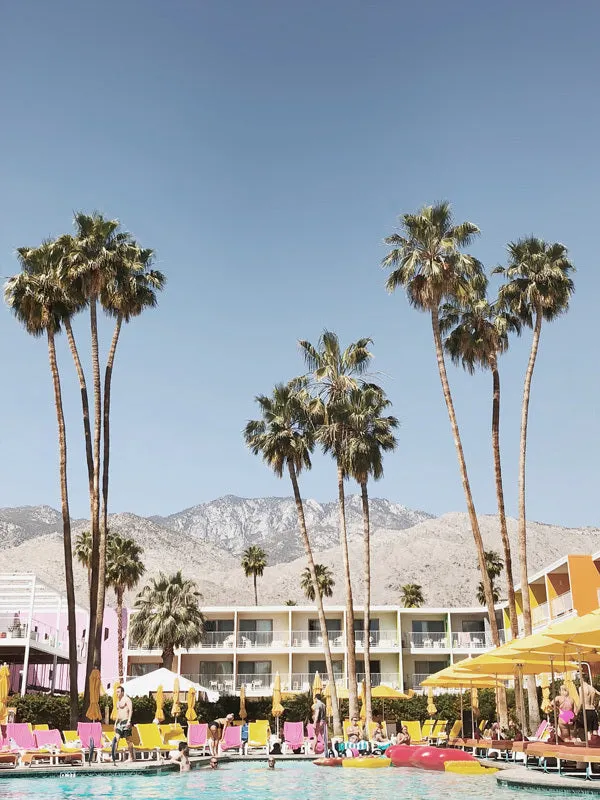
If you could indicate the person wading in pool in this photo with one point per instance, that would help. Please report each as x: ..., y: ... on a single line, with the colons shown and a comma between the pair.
x: 183, y: 757
x: 123, y: 723
x: 319, y: 712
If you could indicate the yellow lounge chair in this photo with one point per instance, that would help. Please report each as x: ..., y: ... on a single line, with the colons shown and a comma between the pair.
x: 372, y: 726
x: 455, y: 732
x: 427, y: 729
x: 483, y: 725
x: 41, y: 727
x: 414, y: 730
x: 258, y: 736
x: 439, y: 728
x: 150, y: 741
x: 346, y: 724
x: 172, y: 734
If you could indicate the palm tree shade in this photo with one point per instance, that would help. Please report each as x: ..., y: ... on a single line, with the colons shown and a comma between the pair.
x: 325, y: 582
x: 254, y: 561
x: 412, y: 595
x: 334, y: 373
x: 284, y: 438
x: 427, y: 260
x: 167, y: 616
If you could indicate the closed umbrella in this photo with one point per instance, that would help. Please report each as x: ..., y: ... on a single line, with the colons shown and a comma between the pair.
x: 4, y: 675
x: 431, y: 709
x: 176, y: 707
x: 113, y: 712
x: 328, y: 707
x: 94, y: 685
x: 276, y: 708
x: 243, y: 712
x: 159, y: 714
x: 546, y: 705
x: 363, y: 702
x: 190, y: 714
x: 317, y: 686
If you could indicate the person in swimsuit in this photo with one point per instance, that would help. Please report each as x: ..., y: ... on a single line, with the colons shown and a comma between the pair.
x: 183, y: 757
x: 213, y: 763
x: 123, y: 722
x: 404, y: 736
x: 214, y: 737
x: 223, y: 723
x: 590, y: 701
x: 566, y: 714
x: 271, y: 763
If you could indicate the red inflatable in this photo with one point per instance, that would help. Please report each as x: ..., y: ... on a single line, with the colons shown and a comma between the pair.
x: 424, y: 757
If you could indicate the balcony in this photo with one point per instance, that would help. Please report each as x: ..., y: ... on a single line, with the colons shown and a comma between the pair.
x: 255, y: 684
x: 221, y: 639
x: 474, y: 640
x: 426, y: 641
x: 383, y: 640
x: 14, y: 631
x: 414, y: 681
x: 262, y: 639
x: 563, y: 604
x: 540, y: 615
x: 222, y: 683
x: 381, y: 679
x: 304, y: 639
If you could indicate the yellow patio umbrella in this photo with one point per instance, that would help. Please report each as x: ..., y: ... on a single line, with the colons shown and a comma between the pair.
x: 190, y: 713
x: 113, y: 711
x: 328, y: 706
x: 583, y: 631
x: 4, y: 676
x: 387, y: 692
x: 159, y: 714
x: 176, y: 707
x: 363, y: 702
x: 546, y: 705
x: 276, y: 708
x: 317, y: 686
x: 342, y: 693
x: 243, y: 712
x: 431, y: 709
x: 94, y: 686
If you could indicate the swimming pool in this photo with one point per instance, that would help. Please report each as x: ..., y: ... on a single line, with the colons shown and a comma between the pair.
x: 253, y: 781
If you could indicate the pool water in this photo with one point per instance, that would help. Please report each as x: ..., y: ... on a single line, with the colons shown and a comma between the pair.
x: 253, y: 781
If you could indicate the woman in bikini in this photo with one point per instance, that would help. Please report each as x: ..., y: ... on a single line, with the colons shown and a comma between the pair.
x: 566, y: 713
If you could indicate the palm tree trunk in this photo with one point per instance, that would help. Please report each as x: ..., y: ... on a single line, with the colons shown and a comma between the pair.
x: 67, y: 546
x: 98, y: 535
x: 119, y: 593
x: 255, y: 590
x: 337, y: 725
x: 534, y: 712
x: 485, y: 578
x: 85, y: 406
x: 168, y: 654
x: 106, y: 446
x: 350, y: 638
x: 367, y: 613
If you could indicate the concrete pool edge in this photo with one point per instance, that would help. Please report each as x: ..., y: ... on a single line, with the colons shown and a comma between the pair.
x: 533, y: 781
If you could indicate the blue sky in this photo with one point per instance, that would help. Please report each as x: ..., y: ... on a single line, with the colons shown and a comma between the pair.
x: 264, y: 149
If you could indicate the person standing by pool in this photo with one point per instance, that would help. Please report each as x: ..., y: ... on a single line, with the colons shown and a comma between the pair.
x: 123, y: 728
x: 590, y: 700
x: 566, y: 714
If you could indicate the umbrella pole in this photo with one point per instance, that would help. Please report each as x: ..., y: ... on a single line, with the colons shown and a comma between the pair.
x: 522, y: 699
x: 462, y: 713
x: 582, y: 697
x: 472, y: 714
x: 554, y: 701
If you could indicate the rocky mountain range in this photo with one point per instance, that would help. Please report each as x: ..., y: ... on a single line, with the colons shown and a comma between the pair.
x: 206, y: 542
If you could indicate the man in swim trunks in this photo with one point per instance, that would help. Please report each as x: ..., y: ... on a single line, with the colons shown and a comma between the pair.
x: 590, y: 701
x: 183, y: 757
x: 123, y: 722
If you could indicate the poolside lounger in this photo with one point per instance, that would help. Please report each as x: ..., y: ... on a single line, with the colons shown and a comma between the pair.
x: 439, y: 729
x: 150, y: 741
x: 293, y: 737
x: 371, y: 728
x: 258, y: 736
x: 427, y: 730
x: 41, y: 727
x: 20, y: 733
x: 172, y: 734
x: 414, y: 730
x: 8, y: 759
x: 232, y: 739
x: 197, y: 737
x: 482, y: 725
x: 313, y: 743
x: 90, y: 736
x: 455, y: 731
x: 52, y: 742
x: 346, y: 724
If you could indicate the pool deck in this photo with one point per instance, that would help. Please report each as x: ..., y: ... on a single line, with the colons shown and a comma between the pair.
x: 518, y: 777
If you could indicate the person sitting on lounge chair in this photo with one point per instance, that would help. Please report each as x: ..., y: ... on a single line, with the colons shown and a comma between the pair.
x: 404, y: 736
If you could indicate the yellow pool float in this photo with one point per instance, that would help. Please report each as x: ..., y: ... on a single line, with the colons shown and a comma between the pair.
x: 366, y: 763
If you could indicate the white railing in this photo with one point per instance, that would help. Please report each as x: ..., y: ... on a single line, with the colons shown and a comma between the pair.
x: 36, y: 631
x: 383, y: 639
x: 426, y: 640
x: 254, y: 683
x: 259, y: 639
x: 561, y: 604
x: 218, y: 639
x: 415, y: 679
x: 540, y: 614
x: 381, y: 679
x: 219, y: 683
x: 315, y: 639
x: 474, y: 640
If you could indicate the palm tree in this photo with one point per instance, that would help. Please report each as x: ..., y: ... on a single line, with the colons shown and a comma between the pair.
x: 370, y: 435
x: 325, y: 582
x: 427, y: 260
x: 481, y: 594
x: 39, y: 303
x: 334, y: 372
x: 539, y: 287
x: 412, y: 595
x: 477, y: 334
x: 284, y: 437
x: 494, y: 566
x: 254, y: 561
x: 89, y: 261
x: 167, y: 616
x: 83, y: 551
x: 123, y: 572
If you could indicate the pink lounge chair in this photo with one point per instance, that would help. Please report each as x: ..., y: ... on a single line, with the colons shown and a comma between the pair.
x: 22, y: 735
x: 196, y: 737
x: 90, y: 732
x: 232, y: 739
x: 310, y: 729
x: 539, y: 734
x: 293, y: 736
x: 51, y: 742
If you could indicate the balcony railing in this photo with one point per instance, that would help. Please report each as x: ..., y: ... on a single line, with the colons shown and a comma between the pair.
x: 474, y: 640
x: 315, y: 639
x: 277, y: 639
x: 382, y: 639
x: 414, y: 681
x: 540, y: 614
x: 561, y: 604
x: 36, y: 631
x: 216, y: 682
x: 426, y: 640
x: 381, y: 679
x: 254, y: 683
x: 218, y: 639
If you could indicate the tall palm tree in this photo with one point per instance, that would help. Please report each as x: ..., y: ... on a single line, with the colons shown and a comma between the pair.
x: 167, y: 616
x: 254, y: 561
x: 124, y: 569
x: 370, y: 434
x: 284, y: 437
x: 335, y: 372
x: 427, y: 260
x: 89, y: 260
x: 494, y: 566
x: 39, y: 303
x: 539, y: 287
x: 412, y: 595
x: 325, y: 582
x: 83, y: 551
x: 478, y: 333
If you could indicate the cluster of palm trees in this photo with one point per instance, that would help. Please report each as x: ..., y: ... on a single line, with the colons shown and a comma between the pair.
x: 335, y: 407
x: 428, y: 261
x: 99, y: 266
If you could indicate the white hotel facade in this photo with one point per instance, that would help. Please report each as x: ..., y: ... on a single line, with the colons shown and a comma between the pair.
x: 248, y: 645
